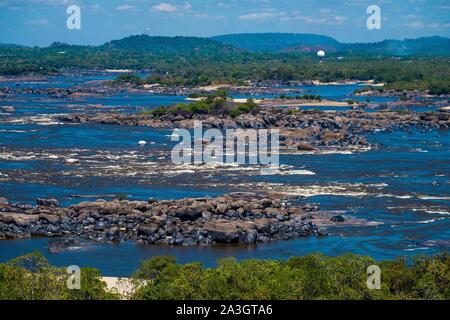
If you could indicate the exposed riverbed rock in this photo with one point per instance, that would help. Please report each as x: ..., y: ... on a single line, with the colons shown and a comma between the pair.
x: 222, y: 230
x: 47, y: 202
x: 299, y: 130
x: 245, y: 218
x: 338, y: 218
x: 3, y: 201
x: 7, y: 109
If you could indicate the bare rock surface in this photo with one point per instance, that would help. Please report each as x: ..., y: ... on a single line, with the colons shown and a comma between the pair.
x: 240, y: 217
x: 299, y: 130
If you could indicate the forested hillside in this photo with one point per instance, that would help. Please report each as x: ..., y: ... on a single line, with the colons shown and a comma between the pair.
x: 199, y: 61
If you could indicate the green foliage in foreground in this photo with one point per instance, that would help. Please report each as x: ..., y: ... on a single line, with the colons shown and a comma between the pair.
x: 31, y: 277
x: 309, y: 277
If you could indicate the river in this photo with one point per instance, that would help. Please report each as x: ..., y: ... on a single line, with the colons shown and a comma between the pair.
x: 403, y: 184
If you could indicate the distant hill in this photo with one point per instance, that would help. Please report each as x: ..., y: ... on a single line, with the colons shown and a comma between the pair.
x: 407, y: 47
x: 277, y: 42
x: 294, y: 42
x: 9, y: 45
x: 164, y: 45
x: 240, y: 44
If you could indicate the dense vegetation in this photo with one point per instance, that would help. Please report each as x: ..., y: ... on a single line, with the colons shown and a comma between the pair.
x: 31, y: 277
x: 309, y: 277
x: 413, y: 74
x: 216, y: 103
x: 196, y: 61
x: 302, y: 97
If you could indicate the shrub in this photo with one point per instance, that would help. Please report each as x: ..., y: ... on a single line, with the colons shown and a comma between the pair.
x: 31, y: 277
x: 310, y: 277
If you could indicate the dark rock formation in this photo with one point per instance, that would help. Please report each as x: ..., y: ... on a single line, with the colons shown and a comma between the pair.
x: 47, y: 202
x: 236, y: 218
x: 338, y: 219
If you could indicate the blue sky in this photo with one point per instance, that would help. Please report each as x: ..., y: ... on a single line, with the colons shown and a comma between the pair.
x: 41, y: 22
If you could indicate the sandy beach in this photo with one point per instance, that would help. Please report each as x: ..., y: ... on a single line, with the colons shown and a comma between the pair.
x: 123, y: 286
x: 236, y: 100
x: 301, y: 103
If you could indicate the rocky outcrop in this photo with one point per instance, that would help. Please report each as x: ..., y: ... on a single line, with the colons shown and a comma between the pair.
x: 107, y: 88
x: 245, y: 218
x: 3, y: 201
x: 7, y: 109
x: 47, y: 202
x: 300, y: 130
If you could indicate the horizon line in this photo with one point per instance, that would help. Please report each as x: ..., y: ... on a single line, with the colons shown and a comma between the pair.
x: 219, y: 35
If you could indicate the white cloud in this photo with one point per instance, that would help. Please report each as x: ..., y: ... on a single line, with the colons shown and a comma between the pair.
x: 95, y: 7
x: 208, y: 16
x: 322, y: 18
x: 224, y: 5
x: 325, y: 10
x: 261, y: 15
x: 443, y: 7
x: 124, y: 7
x: 434, y: 25
x: 165, y: 7
x: 38, y: 23
x: 53, y: 2
x: 43, y: 2
x: 415, y: 24
x: 411, y: 16
x: 331, y: 20
x: 421, y: 25
x: 187, y: 6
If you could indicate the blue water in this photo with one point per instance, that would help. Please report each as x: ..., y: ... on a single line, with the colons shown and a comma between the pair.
x: 127, y: 102
x: 403, y: 184
x: 123, y: 259
x: 337, y: 93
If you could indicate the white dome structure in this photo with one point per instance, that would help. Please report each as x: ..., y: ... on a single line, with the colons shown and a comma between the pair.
x: 321, y: 53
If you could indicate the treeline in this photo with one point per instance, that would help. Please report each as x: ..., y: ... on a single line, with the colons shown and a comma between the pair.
x: 317, y: 97
x: 426, y: 74
x: 310, y: 277
x: 32, y: 277
x: 205, y: 63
